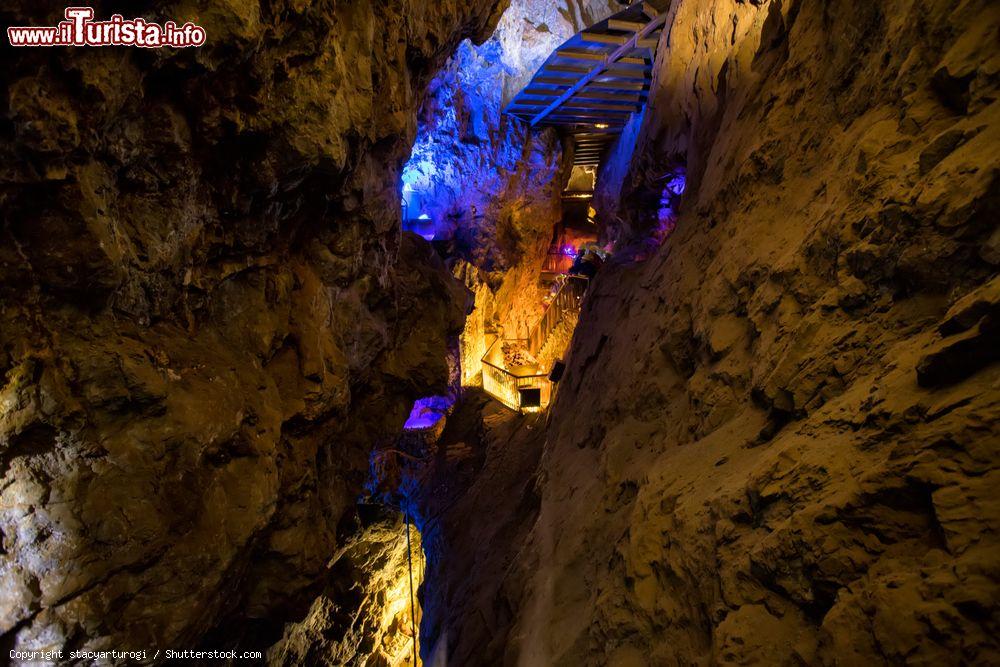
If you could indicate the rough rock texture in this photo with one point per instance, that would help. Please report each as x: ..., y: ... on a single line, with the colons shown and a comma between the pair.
x: 363, y: 617
x: 777, y: 439
x: 478, y: 491
x: 207, y: 312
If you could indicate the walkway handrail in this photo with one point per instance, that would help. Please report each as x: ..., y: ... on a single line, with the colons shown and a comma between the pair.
x: 566, y: 301
x: 505, y: 385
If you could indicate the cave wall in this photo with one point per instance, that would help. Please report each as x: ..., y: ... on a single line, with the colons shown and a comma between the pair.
x: 365, y: 614
x: 208, y: 314
x: 776, y: 440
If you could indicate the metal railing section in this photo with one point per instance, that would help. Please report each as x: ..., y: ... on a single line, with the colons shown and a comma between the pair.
x: 505, y: 384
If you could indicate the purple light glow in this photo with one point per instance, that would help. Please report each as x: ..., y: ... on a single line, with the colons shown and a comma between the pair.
x: 669, y: 200
x: 427, y: 412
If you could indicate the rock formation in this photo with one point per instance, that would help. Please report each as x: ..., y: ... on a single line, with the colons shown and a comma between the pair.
x: 363, y: 616
x: 207, y: 312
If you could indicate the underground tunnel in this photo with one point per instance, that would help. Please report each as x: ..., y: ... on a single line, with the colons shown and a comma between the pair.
x: 500, y: 332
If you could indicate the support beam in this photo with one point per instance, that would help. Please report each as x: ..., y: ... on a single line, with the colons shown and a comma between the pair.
x: 598, y: 117
x: 627, y: 26
x: 619, y: 72
x: 649, y: 43
x: 607, y: 85
x: 603, y: 38
x: 577, y: 54
x: 583, y: 104
x: 635, y: 97
x: 601, y: 66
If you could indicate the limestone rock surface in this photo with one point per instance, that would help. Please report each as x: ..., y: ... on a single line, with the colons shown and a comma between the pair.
x: 208, y: 314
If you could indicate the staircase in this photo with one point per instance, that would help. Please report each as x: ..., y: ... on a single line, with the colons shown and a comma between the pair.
x: 529, y: 390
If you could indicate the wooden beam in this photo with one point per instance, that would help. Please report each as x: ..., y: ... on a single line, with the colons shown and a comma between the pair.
x: 635, y: 96
x: 553, y: 81
x: 629, y: 79
x: 602, y: 38
x: 627, y: 26
x: 582, y: 123
x: 649, y: 43
x: 620, y: 72
x: 616, y: 85
x: 610, y: 116
x: 587, y: 114
x: 649, y: 11
x: 577, y: 54
x: 611, y: 59
x: 608, y: 85
x: 596, y: 106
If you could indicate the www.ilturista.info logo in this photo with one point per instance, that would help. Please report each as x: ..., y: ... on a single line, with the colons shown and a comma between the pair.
x: 79, y: 29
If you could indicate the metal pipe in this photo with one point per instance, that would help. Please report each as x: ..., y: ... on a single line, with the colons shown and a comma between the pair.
x: 413, y: 608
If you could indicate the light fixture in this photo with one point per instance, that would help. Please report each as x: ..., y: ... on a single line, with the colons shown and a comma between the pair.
x: 601, y: 126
